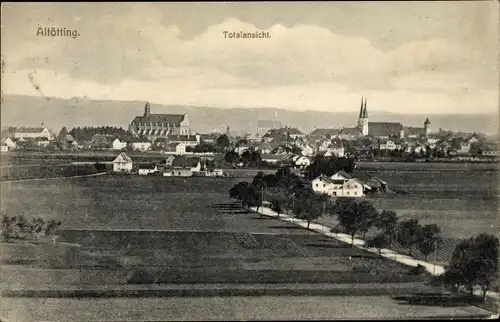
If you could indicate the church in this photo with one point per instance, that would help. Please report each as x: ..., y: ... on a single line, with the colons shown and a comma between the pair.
x: 385, y: 130
x: 155, y: 126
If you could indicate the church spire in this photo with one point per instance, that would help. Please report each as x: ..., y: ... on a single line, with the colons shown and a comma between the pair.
x: 365, y: 112
x: 361, y: 109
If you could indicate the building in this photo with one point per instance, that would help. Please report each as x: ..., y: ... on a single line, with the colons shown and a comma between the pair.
x: 324, y: 134
x: 118, y: 145
x: 301, y: 161
x: 138, y: 144
x: 307, y: 150
x: 4, y: 148
x: 147, y: 169
x: 155, y: 126
x: 11, y: 144
x: 384, y: 130
x: 181, y: 147
x: 23, y: 133
x: 338, y: 186
x: 122, y: 163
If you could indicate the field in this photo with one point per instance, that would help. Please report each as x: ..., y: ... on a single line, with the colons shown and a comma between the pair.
x: 185, y: 231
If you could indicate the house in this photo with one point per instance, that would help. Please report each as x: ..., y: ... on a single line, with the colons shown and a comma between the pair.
x: 196, y: 165
x: 42, y: 141
x: 122, y: 163
x: 147, y: 168
x: 341, y: 175
x: 4, y: 148
x: 389, y: 144
x: 351, y: 187
x: 241, y: 149
x: 180, y: 167
x: 118, y: 145
x: 11, y: 144
x: 272, y: 158
x: 322, y: 184
x: 266, y: 148
x: 307, y: 150
x: 215, y: 173
x: 169, y: 160
x: 140, y: 144
x: 102, y: 141
x: 181, y: 148
x: 336, y: 149
x: 301, y: 161
x: 324, y: 133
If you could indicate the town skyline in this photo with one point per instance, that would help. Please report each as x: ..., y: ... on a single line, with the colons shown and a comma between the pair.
x: 310, y: 62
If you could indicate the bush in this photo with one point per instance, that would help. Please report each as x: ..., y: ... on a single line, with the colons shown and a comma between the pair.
x: 140, y: 277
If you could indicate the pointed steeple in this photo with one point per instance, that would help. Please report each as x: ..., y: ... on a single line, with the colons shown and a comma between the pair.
x: 361, y: 109
x: 365, y: 112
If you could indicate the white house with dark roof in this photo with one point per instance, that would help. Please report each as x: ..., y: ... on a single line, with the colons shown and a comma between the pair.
x: 159, y: 125
x: 338, y: 186
x: 122, y: 163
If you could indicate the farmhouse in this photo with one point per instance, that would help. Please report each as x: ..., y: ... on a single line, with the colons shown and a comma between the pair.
x: 118, y: 145
x: 147, y: 168
x: 338, y: 187
x: 122, y: 163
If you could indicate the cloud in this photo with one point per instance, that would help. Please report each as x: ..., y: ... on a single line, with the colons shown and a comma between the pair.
x: 129, y: 52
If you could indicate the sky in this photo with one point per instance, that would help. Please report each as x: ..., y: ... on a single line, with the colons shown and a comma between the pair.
x: 409, y: 57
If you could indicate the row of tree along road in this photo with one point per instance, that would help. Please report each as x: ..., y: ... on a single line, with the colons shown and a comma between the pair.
x: 474, y: 261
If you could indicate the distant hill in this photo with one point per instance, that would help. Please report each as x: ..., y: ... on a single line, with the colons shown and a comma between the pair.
x: 56, y: 113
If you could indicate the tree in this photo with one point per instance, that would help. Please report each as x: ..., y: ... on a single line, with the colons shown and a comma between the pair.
x: 387, y: 222
x: 276, y: 206
x: 231, y: 157
x: 36, y: 226
x: 430, y: 237
x: 52, y: 227
x: 223, y: 142
x: 22, y: 224
x: 369, y: 216
x: 310, y: 207
x: 270, y: 180
x: 474, y: 262
x: 350, y: 217
x: 238, y: 190
x: 8, y: 227
x: 380, y: 241
x: 258, y: 180
x: 408, y: 233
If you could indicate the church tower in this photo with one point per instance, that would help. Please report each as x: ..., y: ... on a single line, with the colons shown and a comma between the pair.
x: 427, y: 127
x: 147, y: 110
x: 363, y: 118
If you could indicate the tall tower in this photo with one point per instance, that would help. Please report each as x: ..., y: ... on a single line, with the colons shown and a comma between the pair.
x: 427, y: 127
x: 147, y: 110
x: 360, y: 117
x: 364, y: 119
